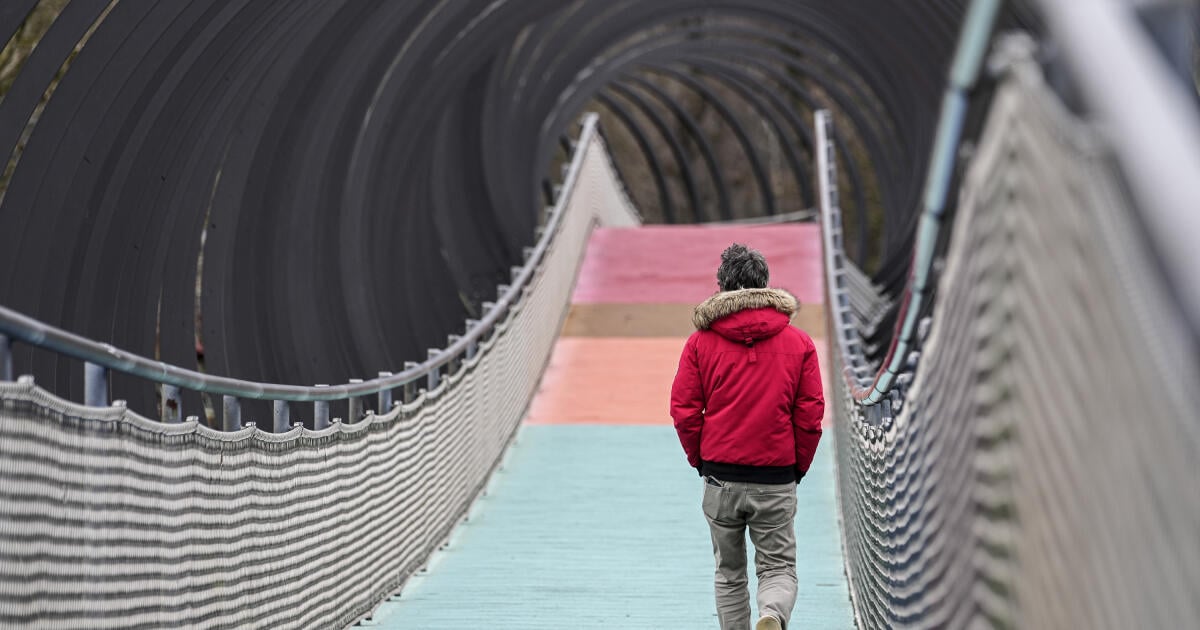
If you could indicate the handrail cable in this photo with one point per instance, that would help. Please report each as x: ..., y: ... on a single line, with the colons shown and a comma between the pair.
x: 964, y: 72
x: 20, y: 327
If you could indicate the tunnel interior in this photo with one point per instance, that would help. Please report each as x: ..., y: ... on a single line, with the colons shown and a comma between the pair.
x: 309, y: 191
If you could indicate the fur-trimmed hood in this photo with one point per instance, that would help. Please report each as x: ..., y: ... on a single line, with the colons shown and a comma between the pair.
x: 727, y: 303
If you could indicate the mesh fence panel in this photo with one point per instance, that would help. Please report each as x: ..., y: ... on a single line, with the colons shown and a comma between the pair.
x: 1040, y: 468
x: 108, y: 519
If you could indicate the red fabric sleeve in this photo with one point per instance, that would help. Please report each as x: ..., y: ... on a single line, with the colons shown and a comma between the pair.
x: 687, y: 402
x: 808, y: 411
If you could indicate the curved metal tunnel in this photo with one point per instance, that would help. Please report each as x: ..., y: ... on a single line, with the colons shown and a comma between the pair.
x: 308, y: 191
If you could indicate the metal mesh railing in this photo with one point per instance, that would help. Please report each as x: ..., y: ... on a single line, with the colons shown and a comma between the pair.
x: 109, y: 519
x: 1034, y: 465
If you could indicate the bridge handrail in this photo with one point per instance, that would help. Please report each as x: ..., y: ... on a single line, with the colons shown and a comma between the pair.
x: 1098, y: 41
x: 968, y: 60
x: 308, y: 526
x: 967, y: 470
x: 16, y: 326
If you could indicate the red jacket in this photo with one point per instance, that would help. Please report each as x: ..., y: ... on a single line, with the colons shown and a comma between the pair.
x: 748, y: 389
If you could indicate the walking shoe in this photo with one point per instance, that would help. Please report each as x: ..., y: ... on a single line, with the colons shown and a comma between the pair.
x: 768, y: 622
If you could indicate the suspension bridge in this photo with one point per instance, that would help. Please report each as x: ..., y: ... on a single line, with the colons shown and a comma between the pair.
x: 986, y: 210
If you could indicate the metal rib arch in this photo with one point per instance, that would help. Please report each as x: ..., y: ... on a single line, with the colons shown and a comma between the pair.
x: 316, y: 190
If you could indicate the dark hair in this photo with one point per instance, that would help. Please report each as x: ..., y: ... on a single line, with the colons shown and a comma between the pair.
x: 742, y: 268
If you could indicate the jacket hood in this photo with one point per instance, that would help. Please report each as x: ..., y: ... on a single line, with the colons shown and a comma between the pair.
x: 742, y: 315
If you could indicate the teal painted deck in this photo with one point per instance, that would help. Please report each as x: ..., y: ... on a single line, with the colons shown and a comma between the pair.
x: 599, y: 526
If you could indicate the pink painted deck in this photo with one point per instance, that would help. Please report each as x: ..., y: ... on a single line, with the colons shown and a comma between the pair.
x: 632, y: 311
x: 678, y: 264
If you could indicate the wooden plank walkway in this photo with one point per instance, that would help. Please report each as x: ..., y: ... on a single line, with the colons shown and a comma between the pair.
x: 594, y: 519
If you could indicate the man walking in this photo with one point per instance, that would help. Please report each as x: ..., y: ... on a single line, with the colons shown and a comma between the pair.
x: 747, y: 405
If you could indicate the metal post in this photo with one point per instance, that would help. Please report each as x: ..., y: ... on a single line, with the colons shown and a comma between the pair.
x: 6, y: 369
x: 452, y: 367
x: 488, y: 307
x: 320, y: 412
x: 501, y: 289
x: 435, y: 375
x: 231, y: 413
x: 410, y: 388
x: 95, y: 385
x: 281, y: 416
x: 472, y: 347
x: 384, y: 403
x: 354, y: 406
x: 172, y: 404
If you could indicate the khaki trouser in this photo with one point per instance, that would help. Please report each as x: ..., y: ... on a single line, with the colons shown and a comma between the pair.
x: 769, y: 512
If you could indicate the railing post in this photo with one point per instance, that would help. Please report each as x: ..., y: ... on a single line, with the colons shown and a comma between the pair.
x: 488, y: 307
x: 320, y: 412
x: 95, y: 385
x: 281, y: 416
x: 172, y: 405
x: 384, y: 403
x: 435, y: 375
x: 231, y: 415
x: 354, y: 406
x: 6, y: 368
x: 410, y: 388
x: 472, y: 347
x: 455, y: 362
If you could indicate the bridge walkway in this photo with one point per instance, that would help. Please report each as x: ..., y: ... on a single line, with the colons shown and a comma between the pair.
x: 593, y: 520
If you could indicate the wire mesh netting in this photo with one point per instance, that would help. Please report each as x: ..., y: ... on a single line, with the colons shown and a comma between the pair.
x: 108, y: 519
x: 1031, y: 474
